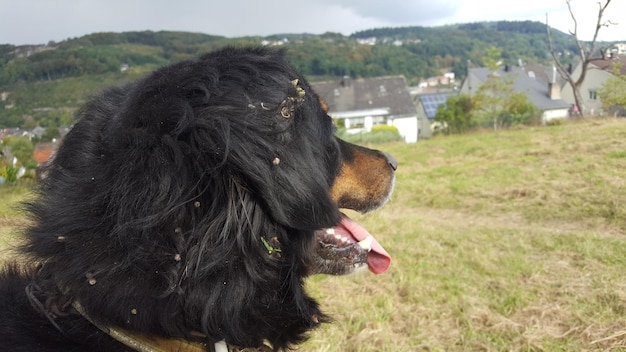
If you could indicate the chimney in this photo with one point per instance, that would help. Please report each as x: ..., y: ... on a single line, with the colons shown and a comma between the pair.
x: 554, y: 91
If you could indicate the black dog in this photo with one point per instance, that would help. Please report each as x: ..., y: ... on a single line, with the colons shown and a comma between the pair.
x: 183, y: 212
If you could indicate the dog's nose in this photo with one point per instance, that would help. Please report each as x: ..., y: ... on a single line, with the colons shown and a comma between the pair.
x: 392, y: 161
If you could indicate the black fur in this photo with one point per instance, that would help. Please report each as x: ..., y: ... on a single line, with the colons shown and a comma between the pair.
x: 152, y: 213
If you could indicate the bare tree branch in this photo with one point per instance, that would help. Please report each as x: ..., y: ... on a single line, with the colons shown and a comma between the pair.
x: 561, y: 69
x: 579, y: 45
x: 599, y: 24
x: 586, y: 56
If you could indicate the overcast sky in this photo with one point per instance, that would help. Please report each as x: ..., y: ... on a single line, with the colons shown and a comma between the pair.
x: 39, y: 21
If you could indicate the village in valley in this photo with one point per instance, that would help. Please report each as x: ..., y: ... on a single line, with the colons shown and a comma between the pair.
x: 409, y: 108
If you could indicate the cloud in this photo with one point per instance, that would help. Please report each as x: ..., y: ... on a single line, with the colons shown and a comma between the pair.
x: 38, y: 21
x: 400, y: 11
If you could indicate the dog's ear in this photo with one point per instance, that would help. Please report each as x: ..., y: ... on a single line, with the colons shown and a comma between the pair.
x: 290, y: 161
x: 297, y: 191
x: 305, y: 164
x: 292, y: 180
x: 269, y: 134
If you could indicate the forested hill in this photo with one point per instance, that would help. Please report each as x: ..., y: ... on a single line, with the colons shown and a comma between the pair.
x: 416, y: 52
x: 62, y: 74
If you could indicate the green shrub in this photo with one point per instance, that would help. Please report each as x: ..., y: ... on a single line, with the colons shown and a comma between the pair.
x: 385, y: 128
x: 379, y: 136
x: 455, y: 116
x: 555, y: 122
x: 9, y: 173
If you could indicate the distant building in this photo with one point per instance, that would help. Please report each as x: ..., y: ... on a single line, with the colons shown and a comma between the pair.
x: 427, y: 105
x: 598, y: 72
x: 280, y: 42
x: 545, y: 95
x: 17, y: 132
x: 367, y: 102
x: 367, y: 41
x: 618, y: 49
x: 43, y: 152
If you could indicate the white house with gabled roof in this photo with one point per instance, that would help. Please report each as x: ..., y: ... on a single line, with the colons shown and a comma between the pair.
x: 366, y: 102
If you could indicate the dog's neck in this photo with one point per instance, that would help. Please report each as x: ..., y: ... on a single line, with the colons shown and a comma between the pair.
x: 137, y: 341
x: 145, y: 343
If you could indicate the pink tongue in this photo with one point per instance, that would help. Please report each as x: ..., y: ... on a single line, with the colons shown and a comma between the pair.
x: 378, y: 260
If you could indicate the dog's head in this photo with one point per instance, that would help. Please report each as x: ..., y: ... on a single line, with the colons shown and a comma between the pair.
x: 202, y: 195
x: 252, y: 119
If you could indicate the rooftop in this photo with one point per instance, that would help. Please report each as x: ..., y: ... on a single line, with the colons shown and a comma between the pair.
x: 535, y: 88
x: 349, y: 95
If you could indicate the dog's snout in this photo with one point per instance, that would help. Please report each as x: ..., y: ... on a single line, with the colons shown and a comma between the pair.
x: 392, y: 161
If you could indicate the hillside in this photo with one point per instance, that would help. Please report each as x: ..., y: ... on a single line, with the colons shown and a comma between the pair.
x: 46, y: 83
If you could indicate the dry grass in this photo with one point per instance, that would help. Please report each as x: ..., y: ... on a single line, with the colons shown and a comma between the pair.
x: 507, y: 241
x: 12, y: 218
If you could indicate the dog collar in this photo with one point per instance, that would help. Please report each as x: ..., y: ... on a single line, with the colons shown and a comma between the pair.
x: 136, y: 341
x: 144, y: 343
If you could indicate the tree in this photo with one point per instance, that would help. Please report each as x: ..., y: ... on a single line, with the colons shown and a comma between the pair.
x: 520, y: 111
x: 456, y: 114
x: 492, y: 99
x: 492, y: 96
x: 613, y: 91
x: 586, y: 55
x: 495, y: 104
x: 21, y: 148
x: 51, y: 133
x: 493, y: 59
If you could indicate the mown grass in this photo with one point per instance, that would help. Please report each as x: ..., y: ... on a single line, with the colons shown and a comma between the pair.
x: 12, y: 217
x: 501, y: 241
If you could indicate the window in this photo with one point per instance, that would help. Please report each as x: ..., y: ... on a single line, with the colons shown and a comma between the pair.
x: 379, y: 120
x: 358, y: 122
x: 593, y: 94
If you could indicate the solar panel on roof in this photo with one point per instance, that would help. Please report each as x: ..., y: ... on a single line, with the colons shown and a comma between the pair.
x: 431, y: 102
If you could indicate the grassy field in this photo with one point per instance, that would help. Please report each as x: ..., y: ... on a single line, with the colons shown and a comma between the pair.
x: 501, y: 241
x: 506, y: 241
x: 11, y: 216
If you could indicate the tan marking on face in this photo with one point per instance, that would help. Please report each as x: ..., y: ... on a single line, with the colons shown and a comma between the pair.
x: 364, y: 183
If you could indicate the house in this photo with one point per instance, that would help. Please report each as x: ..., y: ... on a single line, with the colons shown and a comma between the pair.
x: 598, y: 72
x: 544, y: 94
x: 366, y: 102
x: 616, y: 49
x: 18, y: 132
x: 366, y: 41
x: 427, y: 104
x: 43, y: 152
